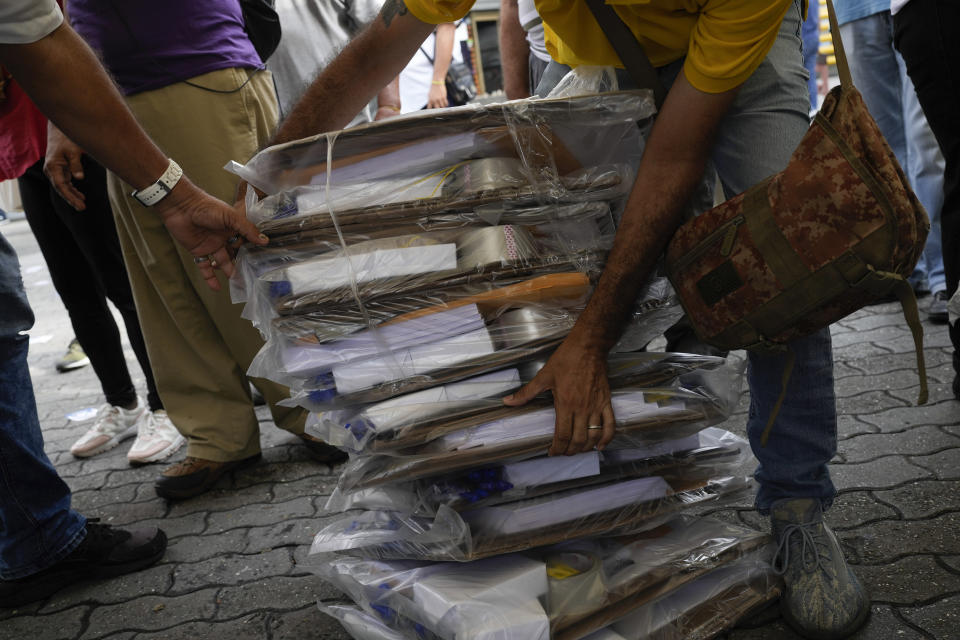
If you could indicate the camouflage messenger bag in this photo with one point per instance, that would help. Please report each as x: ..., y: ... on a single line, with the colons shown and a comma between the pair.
x: 837, y: 229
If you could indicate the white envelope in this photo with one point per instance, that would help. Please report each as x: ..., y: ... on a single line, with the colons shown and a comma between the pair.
x: 566, y: 506
x: 332, y: 273
x: 497, y: 598
x: 418, y: 360
x: 306, y: 359
x: 538, y: 471
x: 435, y: 401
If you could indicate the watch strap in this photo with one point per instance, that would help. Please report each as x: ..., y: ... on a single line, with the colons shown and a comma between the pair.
x: 156, y: 192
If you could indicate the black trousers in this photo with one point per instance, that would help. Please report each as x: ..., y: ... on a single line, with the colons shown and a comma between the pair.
x: 85, y: 262
x: 927, y: 35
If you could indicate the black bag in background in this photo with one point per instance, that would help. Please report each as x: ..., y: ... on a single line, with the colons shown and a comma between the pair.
x: 460, y: 86
x: 459, y: 81
x: 262, y: 24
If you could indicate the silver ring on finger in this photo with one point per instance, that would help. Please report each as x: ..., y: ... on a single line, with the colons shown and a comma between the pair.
x: 594, y: 427
x: 200, y: 259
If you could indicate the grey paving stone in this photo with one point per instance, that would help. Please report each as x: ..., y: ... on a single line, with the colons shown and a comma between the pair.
x: 150, y: 581
x: 197, y: 548
x: 884, y: 363
x: 898, y: 419
x: 229, y: 570
x: 881, y: 473
x: 908, y: 581
x: 175, y: 527
x: 923, y: 499
x: 137, y: 475
x: 93, y: 481
x: 932, y: 339
x: 856, y: 508
x: 889, y: 540
x: 281, y: 593
x: 260, y: 515
x: 869, y: 402
x: 118, y: 514
x: 940, y: 619
x: 232, y: 629
x: 848, y: 426
x: 850, y: 352
x: 64, y: 625
x: 944, y: 464
x: 879, y: 334
x: 938, y: 392
x: 311, y: 485
x: 224, y: 498
x: 923, y: 440
x: 882, y: 625
x: 952, y: 562
x: 307, y: 622
x: 282, y: 472
x: 852, y: 385
x: 873, y: 319
x: 151, y: 613
x: 90, y: 500
x: 296, y: 531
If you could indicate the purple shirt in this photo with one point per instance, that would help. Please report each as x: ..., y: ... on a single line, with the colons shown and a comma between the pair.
x: 148, y: 44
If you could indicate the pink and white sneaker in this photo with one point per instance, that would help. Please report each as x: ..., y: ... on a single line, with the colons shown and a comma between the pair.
x: 112, y: 426
x: 157, y: 439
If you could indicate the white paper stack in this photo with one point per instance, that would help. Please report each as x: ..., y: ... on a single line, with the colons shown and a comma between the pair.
x: 540, y: 471
x: 414, y: 361
x: 549, y: 510
x: 325, y: 274
x: 306, y: 359
x: 445, y: 399
x: 494, y: 599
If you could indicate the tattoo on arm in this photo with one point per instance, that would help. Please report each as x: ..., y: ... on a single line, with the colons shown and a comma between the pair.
x: 392, y: 9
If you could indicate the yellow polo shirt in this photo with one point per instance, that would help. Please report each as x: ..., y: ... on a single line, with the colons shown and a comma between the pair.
x: 724, y: 40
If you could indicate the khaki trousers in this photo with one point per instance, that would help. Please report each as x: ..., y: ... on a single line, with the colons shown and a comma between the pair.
x: 199, y: 346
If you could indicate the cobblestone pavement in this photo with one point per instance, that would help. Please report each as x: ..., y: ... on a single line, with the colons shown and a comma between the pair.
x: 235, y: 564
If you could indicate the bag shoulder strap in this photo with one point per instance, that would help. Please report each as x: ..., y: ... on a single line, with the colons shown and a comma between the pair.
x: 629, y: 51
x: 843, y: 67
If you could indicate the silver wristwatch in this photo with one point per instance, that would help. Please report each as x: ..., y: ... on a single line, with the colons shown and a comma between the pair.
x: 156, y: 192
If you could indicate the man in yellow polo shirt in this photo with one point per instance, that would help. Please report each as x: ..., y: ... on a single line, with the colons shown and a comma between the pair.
x: 737, y: 96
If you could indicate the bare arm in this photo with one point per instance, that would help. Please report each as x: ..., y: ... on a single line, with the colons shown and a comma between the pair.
x: 388, y: 100
x: 63, y: 77
x: 376, y: 56
x: 671, y: 167
x: 514, y: 52
x: 442, y: 54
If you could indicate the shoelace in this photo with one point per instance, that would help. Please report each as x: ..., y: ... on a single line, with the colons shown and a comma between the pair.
x: 106, y: 416
x: 808, y: 547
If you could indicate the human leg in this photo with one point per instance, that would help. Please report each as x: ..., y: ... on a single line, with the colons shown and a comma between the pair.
x: 925, y: 170
x: 926, y: 36
x: 79, y: 286
x: 822, y: 598
x: 95, y: 233
x: 39, y: 527
x: 873, y: 65
x: 199, y: 345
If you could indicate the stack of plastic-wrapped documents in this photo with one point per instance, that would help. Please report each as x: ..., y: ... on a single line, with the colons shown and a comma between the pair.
x: 419, y: 270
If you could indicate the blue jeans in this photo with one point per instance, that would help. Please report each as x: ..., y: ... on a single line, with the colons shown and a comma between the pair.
x: 37, y: 526
x: 756, y: 139
x: 881, y: 76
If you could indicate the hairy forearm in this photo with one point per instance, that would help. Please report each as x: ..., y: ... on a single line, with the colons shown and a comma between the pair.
x: 443, y: 50
x: 84, y: 104
x: 514, y: 52
x: 672, y: 166
x: 375, y: 57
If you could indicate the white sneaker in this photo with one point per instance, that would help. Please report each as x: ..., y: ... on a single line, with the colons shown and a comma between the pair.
x: 157, y: 439
x: 112, y: 426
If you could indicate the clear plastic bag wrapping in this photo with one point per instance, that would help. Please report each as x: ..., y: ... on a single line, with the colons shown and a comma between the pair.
x: 710, y: 452
x: 615, y: 508
x: 419, y: 417
x: 568, y: 590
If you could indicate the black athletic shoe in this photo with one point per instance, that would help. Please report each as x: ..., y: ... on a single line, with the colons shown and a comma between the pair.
x: 105, y: 552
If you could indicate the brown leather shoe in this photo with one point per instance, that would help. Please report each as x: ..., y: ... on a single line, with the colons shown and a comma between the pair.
x: 321, y: 451
x: 193, y: 476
